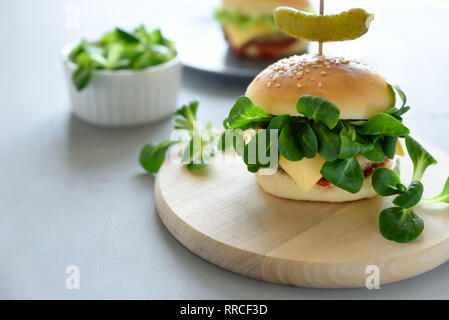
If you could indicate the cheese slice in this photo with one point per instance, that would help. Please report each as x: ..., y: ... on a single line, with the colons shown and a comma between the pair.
x: 239, y: 37
x: 399, y: 150
x: 306, y: 172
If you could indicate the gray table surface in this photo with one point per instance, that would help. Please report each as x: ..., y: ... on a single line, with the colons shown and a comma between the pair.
x: 74, y: 194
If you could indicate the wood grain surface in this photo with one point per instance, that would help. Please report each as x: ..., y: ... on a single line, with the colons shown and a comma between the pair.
x: 223, y: 216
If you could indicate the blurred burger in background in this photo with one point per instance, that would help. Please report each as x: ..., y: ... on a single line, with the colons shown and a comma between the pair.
x: 250, y: 29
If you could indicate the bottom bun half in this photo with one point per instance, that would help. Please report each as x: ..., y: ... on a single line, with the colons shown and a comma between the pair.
x: 283, y: 186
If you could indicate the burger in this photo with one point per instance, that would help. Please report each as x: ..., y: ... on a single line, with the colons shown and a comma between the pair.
x: 336, y: 121
x: 250, y: 29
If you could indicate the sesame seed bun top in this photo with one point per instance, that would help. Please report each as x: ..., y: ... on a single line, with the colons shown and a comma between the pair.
x: 357, y: 89
x: 262, y: 6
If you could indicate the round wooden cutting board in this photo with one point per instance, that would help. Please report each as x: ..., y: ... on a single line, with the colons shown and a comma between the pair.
x: 223, y: 216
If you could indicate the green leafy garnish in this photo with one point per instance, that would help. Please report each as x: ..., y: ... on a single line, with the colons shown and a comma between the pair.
x: 288, y: 146
x: 187, y: 119
x: 202, y: 145
x: 352, y: 144
x: 81, y: 77
x: 400, y: 225
x: 386, y: 182
x: 329, y: 142
x: 200, y: 149
x: 258, y: 152
x: 442, y: 197
x: 126, y: 36
x: 244, y: 21
x: 245, y: 114
x: 410, y: 197
x: 344, y: 173
x: 376, y: 154
x: 389, y: 146
x: 395, y: 112
x: 307, y: 141
x: 232, y: 138
x: 263, y: 150
x: 119, y: 49
x: 420, y: 157
x: 153, y: 155
x: 234, y: 17
x: 401, y: 95
x: 384, y: 124
x: 320, y: 109
x: 279, y: 122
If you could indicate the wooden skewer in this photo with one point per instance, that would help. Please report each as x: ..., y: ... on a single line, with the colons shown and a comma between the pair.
x: 320, y: 44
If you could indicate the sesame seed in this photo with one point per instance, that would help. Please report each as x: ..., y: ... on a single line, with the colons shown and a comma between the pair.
x: 268, y: 84
x: 328, y: 67
x: 307, y: 70
x: 323, y: 73
x: 320, y: 85
x: 312, y: 79
x: 277, y: 85
x: 299, y: 85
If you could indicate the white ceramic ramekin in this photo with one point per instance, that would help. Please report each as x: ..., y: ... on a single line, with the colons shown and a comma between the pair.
x: 125, y: 97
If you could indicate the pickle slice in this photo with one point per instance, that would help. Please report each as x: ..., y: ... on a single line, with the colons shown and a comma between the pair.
x: 347, y: 25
